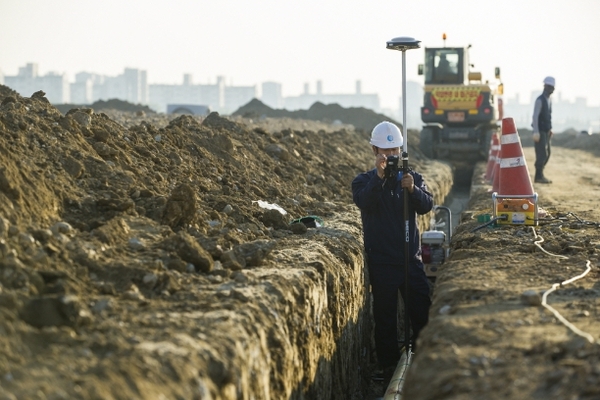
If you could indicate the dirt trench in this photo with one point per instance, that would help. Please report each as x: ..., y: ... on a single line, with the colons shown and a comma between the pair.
x: 147, y: 258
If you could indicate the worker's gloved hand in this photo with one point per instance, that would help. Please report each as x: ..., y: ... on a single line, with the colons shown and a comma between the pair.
x: 536, y: 137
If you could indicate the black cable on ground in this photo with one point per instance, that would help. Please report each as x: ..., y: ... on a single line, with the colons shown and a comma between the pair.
x: 562, y: 218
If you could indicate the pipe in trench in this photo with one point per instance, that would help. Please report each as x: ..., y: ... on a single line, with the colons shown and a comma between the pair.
x: 394, y: 389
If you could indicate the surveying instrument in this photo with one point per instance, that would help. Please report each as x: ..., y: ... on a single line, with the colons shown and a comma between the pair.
x: 403, y: 44
x: 395, y: 386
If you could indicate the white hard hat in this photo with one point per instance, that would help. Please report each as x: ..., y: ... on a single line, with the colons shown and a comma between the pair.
x: 549, y: 81
x: 386, y: 135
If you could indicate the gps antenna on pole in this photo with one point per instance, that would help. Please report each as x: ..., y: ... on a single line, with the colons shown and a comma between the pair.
x: 402, y: 44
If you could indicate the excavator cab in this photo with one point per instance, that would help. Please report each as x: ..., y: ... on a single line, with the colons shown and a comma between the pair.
x: 445, y: 65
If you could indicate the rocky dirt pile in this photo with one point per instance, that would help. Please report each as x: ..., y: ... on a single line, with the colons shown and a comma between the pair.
x: 153, y: 261
x: 106, y: 105
x: 361, y: 118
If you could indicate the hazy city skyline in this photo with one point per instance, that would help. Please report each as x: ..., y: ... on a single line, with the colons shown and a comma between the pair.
x: 133, y: 86
x: 335, y: 42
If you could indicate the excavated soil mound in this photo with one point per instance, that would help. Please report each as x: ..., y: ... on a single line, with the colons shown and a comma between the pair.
x: 361, y: 118
x: 159, y: 261
x: 112, y: 104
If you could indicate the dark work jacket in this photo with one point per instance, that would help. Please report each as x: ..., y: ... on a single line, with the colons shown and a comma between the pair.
x: 545, y: 118
x: 382, y: 212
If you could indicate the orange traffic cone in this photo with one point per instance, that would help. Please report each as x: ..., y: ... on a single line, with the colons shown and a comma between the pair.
x: 492, y: 155
x: 513, y: 173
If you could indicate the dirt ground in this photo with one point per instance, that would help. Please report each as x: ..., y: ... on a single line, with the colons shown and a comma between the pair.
x: 488, y: 335
x: 152, y: 258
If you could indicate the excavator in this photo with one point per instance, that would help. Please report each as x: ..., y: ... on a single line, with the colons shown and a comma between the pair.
x: 460, y: 111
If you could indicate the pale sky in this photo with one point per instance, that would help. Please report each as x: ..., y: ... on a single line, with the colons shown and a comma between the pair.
x: 295, y: 42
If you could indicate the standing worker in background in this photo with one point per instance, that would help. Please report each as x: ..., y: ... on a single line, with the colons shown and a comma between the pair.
x: 379, y: 193
x: 542, y: 129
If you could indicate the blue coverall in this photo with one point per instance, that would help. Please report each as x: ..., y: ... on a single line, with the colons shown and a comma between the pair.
x: 381, y: 203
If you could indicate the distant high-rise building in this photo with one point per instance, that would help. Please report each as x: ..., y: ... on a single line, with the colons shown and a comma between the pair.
x: 218, y: 96
x: 28, y: 81
x: 211, y: 95
x: 272, y: 95
x: 56, y: 87
x: 144, y: 89
x: 82, y: 91
x: 306, y: 100
x: 131, y: 86
x: 30, y: 71
x: 135, y: 86
x: 319, y: 88
x: 88, y: 88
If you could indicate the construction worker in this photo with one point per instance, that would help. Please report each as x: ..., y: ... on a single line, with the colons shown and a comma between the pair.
x: 381, y: 202
x: 443, y: 67
x: 445, y: 72
x: 542, y: 129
